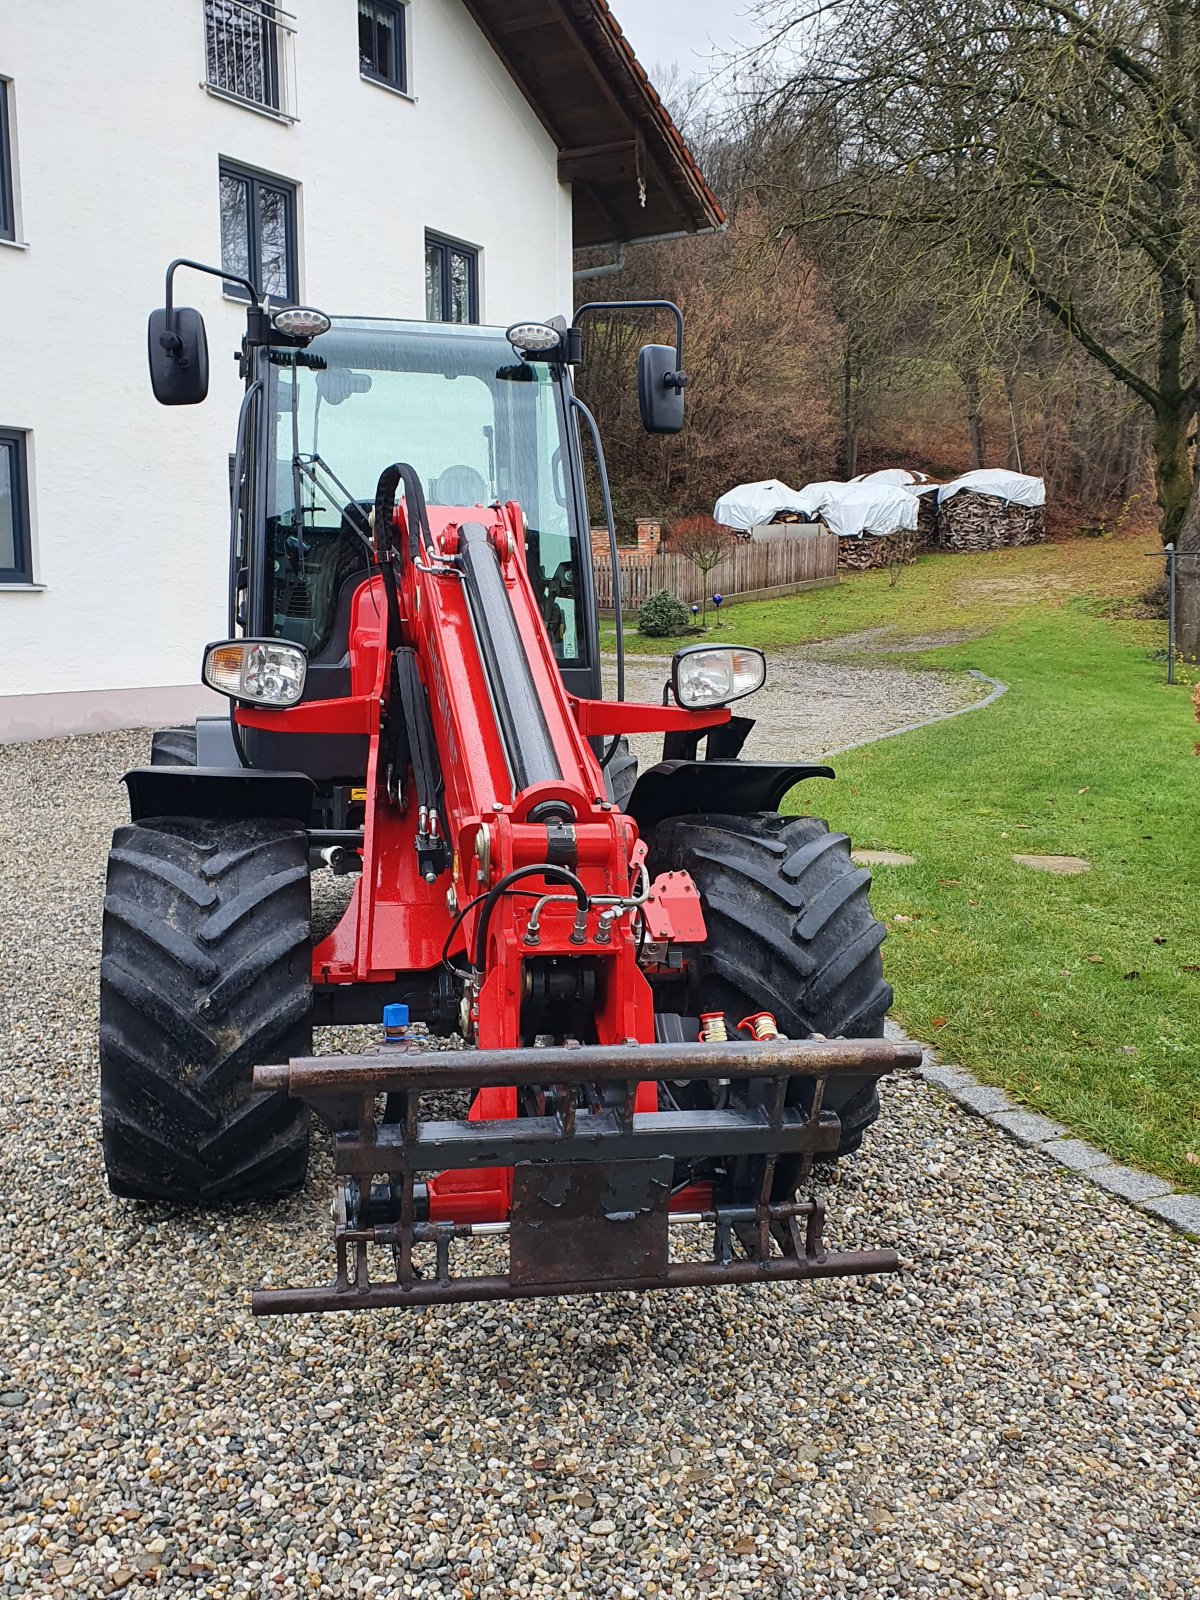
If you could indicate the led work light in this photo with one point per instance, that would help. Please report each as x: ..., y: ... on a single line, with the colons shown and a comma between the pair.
x: 300, y: 322
x: 533, y: 338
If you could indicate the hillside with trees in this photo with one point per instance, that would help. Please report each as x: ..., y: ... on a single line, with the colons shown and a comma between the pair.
x: 957, y: 238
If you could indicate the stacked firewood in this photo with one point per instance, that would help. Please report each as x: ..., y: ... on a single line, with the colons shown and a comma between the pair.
x: 927, y: 515
x: 868, y: 550
x: 971, y: 521
x: 1026, y: 524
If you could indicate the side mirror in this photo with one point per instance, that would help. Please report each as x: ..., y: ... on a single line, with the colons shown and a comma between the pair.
x: 179, y: 359
x: 660, y: 388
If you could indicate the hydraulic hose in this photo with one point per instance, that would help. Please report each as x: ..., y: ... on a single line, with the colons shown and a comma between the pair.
x: 416, y: 516
x: 542, y: 869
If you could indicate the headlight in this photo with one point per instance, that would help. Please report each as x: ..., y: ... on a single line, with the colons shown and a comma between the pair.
x: 713, y: 675
x: 266, y: 671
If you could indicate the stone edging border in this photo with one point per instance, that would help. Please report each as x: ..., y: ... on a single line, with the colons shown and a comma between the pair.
x: 1051, y: 1139
x: 998, y: 689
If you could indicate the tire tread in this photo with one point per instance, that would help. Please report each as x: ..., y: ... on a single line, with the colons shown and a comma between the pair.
x: 790, y: 930
x: 204, y: 973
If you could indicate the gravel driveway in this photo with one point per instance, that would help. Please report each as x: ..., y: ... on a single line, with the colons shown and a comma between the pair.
x: 1014, y: 1415
x: 808, y: 707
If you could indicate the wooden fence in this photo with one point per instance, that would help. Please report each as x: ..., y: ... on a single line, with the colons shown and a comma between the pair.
x: 751, y: 570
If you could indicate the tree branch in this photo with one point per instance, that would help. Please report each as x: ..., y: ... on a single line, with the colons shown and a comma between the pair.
x: 1063, y: 312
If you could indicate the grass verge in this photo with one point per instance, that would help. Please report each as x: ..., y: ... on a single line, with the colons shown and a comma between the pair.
x: 967, y: 594
x: 1080, y: 995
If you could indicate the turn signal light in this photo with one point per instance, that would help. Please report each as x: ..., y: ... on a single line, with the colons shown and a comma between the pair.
x: 268, y: 672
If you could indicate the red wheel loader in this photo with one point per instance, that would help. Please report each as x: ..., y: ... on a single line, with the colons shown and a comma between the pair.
x: 621, y: 1014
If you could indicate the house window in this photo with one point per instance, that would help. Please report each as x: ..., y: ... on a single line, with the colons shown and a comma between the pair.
x: 258, y: 232
x: 451, y: 281
x: 14, y: 508
x: 8, y: 210
x: 249, y: 53
x: 382, y: 43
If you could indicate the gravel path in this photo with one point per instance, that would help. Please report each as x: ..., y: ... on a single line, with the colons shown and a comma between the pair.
x: 1014, y: 1415
x: 808, y: 707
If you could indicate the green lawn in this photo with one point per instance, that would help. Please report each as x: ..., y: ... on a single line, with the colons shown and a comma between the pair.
x: 1080, y: 995
x: 939, y: 593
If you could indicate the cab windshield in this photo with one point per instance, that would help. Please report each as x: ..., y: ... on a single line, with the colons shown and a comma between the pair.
x: 477, y: 423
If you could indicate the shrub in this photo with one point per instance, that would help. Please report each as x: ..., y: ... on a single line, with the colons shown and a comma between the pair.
x: 662, y: 616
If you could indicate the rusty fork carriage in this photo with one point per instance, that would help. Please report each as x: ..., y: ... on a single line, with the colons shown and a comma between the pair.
x: 586, y: 1188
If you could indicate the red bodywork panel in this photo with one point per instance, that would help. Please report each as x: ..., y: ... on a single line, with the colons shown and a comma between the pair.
x: 396, y: 922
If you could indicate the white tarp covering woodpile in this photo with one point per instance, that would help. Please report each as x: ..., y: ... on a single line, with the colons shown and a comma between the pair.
x: 899, y: 476
x: 847, y: 509
x: 753, y: 505
x: 853, y: 509
x: 991, y: 509
x: 875, y: 521
x: 983, y: 510
x: 874, y: 518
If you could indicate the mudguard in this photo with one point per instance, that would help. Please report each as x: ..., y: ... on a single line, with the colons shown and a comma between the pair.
x: 688, y: 788
x: 219, y: 792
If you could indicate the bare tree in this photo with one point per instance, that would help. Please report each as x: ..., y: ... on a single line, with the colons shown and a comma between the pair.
x: 706, y: 544
x: 1037, y: 149
x: 760, y: 356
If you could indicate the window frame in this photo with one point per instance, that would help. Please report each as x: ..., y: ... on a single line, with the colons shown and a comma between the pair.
x: 472, y: 253
x: 22, y: 571
x: 400, y: 83
x: 8, y: 187
x: 232, y: 67
x: 256, y: 180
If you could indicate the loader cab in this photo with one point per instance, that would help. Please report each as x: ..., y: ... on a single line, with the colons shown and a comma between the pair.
x: 484, y: 416
x: 478, y: 423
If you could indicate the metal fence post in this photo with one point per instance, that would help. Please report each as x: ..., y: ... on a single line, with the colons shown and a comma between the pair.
x: 1171, y: 613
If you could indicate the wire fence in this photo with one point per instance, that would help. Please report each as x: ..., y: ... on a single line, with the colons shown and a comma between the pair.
x: 1173, y: 557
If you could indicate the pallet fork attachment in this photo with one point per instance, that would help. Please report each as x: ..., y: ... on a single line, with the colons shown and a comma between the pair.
x: 590, y: 1178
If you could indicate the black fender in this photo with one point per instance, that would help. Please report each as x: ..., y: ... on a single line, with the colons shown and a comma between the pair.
x: 219, y: 792
x: 731, y: 788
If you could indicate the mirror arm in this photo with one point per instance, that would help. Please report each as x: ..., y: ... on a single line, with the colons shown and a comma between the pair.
x: 169, y: 339
x: 672, y: 380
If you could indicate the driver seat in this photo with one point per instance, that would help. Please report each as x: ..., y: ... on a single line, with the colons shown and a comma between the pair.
x: 458, y: 486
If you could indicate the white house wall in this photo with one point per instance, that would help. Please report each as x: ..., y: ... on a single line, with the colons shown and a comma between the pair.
x: 118, y: 155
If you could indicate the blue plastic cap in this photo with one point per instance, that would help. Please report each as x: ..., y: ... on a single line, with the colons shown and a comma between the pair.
x: 395, y: 1016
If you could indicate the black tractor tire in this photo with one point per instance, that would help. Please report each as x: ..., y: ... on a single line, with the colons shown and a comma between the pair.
x: 790, y: 931
x: 205, y: 972
x: 173, y: 747
x: 620, y: 774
